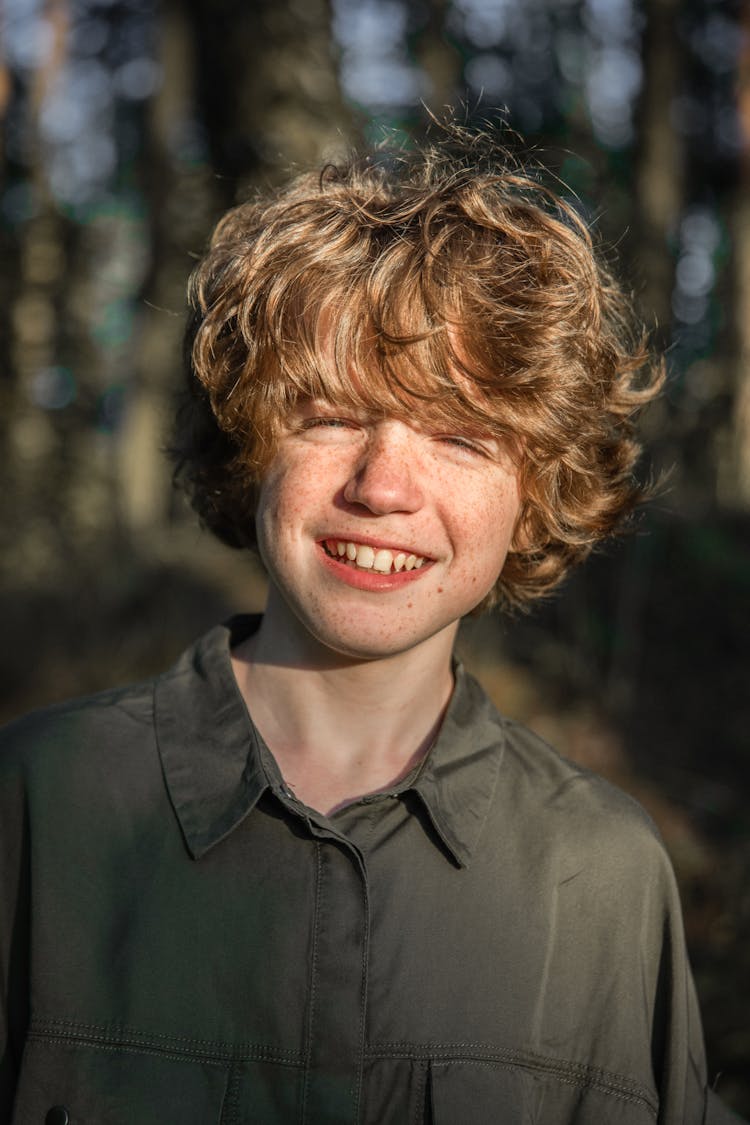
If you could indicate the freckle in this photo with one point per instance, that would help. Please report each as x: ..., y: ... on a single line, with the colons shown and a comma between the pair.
x: 409, y: 605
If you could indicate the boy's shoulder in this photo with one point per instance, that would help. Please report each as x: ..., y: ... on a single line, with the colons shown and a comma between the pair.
x: 119, y: 729
x: 545, y: 805
x: 535, y: 781
x: 585, y: 820
x: 76, y: 728
x: 560, y: 782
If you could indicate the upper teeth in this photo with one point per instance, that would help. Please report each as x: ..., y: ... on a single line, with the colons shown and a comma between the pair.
x: 370, y: 558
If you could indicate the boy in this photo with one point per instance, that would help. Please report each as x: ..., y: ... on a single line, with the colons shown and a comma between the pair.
x: 309, y: 874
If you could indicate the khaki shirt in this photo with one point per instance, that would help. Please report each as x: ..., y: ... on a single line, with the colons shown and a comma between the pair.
x: 497, y: 939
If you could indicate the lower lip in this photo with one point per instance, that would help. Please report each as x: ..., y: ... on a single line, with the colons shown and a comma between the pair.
x: 371, y: 579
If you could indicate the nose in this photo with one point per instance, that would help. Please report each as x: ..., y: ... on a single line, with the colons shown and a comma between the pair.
x: 386, y: 476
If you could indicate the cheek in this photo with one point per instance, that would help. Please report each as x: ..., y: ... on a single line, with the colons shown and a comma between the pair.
x: 271, y: 517
x: 289, y: 505
x: 493, y: 509
x: 486, y: 530
x: 280, y: 494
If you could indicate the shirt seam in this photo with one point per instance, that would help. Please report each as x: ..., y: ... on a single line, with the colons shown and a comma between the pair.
x: 230, y: 1110
x: 71, y: 1043
x: 364, y: 986
x: 313, y: 978
x: 570, y: 1080
x: 581, y: 1074
x: 420, y: 1094
x: 177, y: 1047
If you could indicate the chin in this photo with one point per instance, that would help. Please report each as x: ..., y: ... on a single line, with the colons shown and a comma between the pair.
x: 368, y: 641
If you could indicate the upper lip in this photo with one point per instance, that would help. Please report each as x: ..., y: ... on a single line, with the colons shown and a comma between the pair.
x: 376, y: 544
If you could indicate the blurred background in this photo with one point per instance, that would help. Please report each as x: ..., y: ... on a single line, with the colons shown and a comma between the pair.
x: 128, y: 126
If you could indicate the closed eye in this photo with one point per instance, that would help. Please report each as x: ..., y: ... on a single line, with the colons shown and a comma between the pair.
x: 321, y: 423
x: 461, y: 442
x: 328, y: 428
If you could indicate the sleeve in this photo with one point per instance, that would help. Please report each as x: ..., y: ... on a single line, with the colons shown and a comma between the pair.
x: 14, y: 923
x: 685, y: 1097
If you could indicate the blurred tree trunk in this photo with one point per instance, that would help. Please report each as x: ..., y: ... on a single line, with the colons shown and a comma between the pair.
x: 268, y: 87
x: 660, y: 195
x: 439, y: 59
x: 738, y: 483
x: 181, y: 202
x: 9, y: 259
x: 37, y: 446
x: 660, y: 172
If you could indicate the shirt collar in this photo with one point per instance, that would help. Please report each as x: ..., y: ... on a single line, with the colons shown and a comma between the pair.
x: 210, y: 751
x: 458, y: 780
x: 216, y: 764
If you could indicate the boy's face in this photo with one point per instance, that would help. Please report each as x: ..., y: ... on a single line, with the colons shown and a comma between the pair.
x: 428, y: 516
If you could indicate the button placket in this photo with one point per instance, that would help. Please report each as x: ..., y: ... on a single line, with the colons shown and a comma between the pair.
x: 338, y: 987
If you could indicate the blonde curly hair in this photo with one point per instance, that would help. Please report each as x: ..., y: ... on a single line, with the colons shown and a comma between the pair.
x: 447, y: 280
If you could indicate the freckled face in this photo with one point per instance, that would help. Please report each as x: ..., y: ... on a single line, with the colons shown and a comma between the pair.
x: 379, y: 534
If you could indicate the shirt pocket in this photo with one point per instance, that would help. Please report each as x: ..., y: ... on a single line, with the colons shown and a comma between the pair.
x: 476, y: 1093
x: 113, y: 1085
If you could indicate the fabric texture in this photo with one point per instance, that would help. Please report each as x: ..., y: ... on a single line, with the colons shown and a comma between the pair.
x: 497, y: 939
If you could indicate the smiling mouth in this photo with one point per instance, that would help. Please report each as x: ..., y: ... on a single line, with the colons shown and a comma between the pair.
x: 363, y: 557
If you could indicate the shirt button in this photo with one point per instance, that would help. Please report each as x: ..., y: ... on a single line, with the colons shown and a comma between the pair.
x: 58, y: 1115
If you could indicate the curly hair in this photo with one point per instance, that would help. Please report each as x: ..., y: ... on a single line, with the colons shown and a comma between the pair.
x: 449, y: 282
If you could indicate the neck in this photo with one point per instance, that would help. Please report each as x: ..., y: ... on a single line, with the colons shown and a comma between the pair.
x: 341, y: 727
